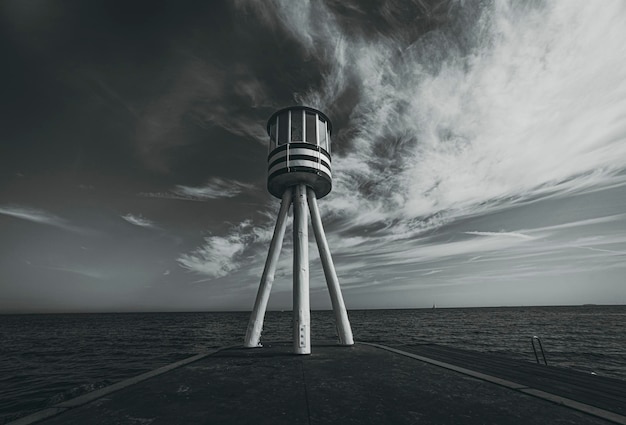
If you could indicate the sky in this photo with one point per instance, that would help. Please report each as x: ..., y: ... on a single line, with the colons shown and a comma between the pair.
x: 479, y: 151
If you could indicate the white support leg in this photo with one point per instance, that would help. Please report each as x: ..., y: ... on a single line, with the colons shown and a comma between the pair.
x: 341, y: 315
x: 255, y: 326
x: 301, y: 309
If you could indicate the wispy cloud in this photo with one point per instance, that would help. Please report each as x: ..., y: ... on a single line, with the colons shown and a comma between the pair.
x: 579, y: 223
x: 216, y: 258
x: 220, y: 255
x: 482, y: 114
x: 215, y: 188
x: 611, y: 251
x: 138, y: 220
x: 38, y: 216
x: 31, y: 214
x: 500, y: 234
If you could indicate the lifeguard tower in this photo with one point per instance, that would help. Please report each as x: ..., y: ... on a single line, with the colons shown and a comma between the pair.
x: 299, y: 172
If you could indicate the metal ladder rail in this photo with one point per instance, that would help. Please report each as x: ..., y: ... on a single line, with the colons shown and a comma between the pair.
x: 543, y: 354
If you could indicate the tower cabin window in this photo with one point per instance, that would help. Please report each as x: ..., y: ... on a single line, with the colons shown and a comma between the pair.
x: 273, y: 136
x: 322, y: 133
x: 296, y: 126
x: 310, y: 119
x: 328, y: 140
x: 283, y: 128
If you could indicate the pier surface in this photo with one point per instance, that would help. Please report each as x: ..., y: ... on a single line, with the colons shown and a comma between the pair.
x: 362, y: 384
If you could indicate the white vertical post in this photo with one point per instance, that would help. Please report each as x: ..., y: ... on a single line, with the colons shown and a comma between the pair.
x: 255, y: 326
x: 339, y: 308
x: 301, y: 309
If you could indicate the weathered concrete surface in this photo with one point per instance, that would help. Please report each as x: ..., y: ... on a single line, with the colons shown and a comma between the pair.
x: 343, y: 385
x: 599, y: 391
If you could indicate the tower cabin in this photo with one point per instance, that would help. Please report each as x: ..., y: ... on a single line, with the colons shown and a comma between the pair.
x: 299, y: 150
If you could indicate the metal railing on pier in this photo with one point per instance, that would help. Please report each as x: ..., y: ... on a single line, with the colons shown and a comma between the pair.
x: 540, y: 345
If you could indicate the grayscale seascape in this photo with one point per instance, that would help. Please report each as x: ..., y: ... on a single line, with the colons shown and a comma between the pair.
x: 48, y: 358
x: 150, y: 152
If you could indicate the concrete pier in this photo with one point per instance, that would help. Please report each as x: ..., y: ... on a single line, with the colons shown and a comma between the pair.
x: 362, y: 384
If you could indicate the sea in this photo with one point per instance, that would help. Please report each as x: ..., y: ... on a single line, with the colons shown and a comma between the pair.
x: 49, y: 358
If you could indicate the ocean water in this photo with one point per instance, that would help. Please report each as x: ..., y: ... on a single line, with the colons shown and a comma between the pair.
x: 48, y: 358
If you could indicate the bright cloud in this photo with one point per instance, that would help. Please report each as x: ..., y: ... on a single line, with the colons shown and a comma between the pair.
x: 138, y: 220
x: 457, y: 124
x: 220, y: 255
x: 216, y: 258
x: 492, y: 111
